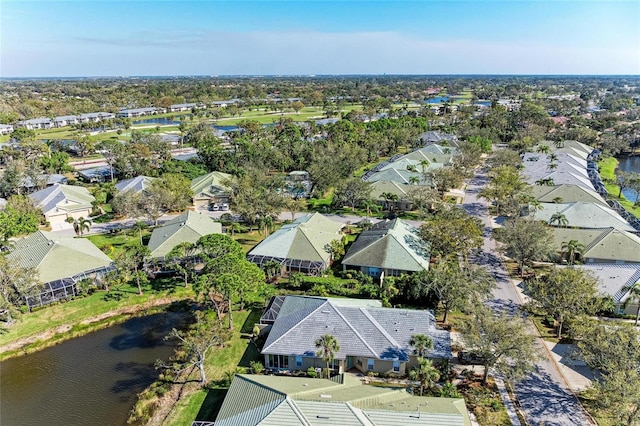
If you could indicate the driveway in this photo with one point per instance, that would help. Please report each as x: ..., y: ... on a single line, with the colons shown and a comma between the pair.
x: 544, y: 395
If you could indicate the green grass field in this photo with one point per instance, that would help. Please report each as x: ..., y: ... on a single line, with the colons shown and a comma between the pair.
x: 75, y: 312
x: 608, y: 174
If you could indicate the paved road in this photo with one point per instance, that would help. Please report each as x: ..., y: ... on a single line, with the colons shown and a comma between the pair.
x: 544, y: 396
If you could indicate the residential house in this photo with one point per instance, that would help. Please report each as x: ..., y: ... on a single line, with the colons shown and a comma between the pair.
x: 210, y: 189
x: 137, y: 184
x: 433, y: 137
x: 381, y: 189
x: 36, y: 123
x: 139, y: 112
x: 97, y: 174
x: 6, y: 129
x: 574, y: 148
x: 616, y: 281
x: 280, y: 400
x: 541, y: 169
x: 65, y: 120
x: 566, y: 194
x: 371, y: 338
x: 388, y: 248
x: 186, y: 228
x: 581, y: 215
x: 607, y: 245
x: 300, y: 246
x: 60, y: 261
x: 184, y: 107
x: 95, y: 117
x: 59, y: 202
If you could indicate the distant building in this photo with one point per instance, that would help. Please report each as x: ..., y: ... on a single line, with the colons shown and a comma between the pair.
x: 36, y: 123
x: 59, y: 202
x: 5, y: 129
x: 139, y: 112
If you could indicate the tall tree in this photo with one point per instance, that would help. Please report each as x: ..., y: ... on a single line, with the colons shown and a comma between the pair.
x: 426, y: 373
x: 80, y: 225
x: 506, y: 189
x: 16, y: 284
x: 572, y: 249
x: 421, y: 344
x: 525, y: 240
x: 459, y: 286
x: 501, y: 341
x: 195, y: 344
x: 327, y: 346
x: 452, y: 233
x: 564, y: 293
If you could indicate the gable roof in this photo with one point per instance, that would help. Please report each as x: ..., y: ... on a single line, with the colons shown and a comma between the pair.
x: 210, y: 185
x: 379, y: 187
x: 391, y: 244
x: 136, y: 184
x: 607, y: 245
x: 575, y: 148
x: 567, y: 193
x: 188, y: 227
x: 583, y: 215
x: 63, y: 197
x: 50, y: 254
x: 373, y: 332
x: 569, y: 169
x: 304, y: 239
x: 614, y: 280
x: 278, y: 400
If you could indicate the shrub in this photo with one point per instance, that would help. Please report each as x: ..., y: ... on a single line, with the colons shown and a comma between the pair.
x: 311, y: 372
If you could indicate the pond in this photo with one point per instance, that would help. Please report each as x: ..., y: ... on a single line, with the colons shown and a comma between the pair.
x: 93, y: 379
x: 158, y: 121
x: 629, y: 164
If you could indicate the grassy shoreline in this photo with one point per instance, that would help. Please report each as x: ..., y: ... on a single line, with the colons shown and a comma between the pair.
x: 607, y: 168
x: 54, y: 324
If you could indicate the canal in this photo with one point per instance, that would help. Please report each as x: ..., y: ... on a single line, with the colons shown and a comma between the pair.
x: 89, y: 380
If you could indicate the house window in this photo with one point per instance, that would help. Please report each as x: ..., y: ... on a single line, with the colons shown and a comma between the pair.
x: 334, y: 364
x: 278, y: 361
x: 370, y: 364
x: 298, y: 360
x: 396, y: 366
x: 359, y: 361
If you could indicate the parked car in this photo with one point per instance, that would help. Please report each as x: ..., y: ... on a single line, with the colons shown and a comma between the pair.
x: 214, y: 207
x: 224, y: 207
x: 470, y: 358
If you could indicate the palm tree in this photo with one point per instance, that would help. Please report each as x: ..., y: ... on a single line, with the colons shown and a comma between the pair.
x: 80, y: 225
x: 425, y: 373
x: 558, y: 218
x: 634, y: 294
x: 572, y: 249
x: 140, y: 226
x: 414, y: 180
x: 543, y: 149
x: 425, y: 163
x: 327, y: 346
x: 557, y: 200
x: 421, y: 344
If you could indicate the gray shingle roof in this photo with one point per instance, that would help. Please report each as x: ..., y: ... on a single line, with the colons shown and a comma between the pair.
x: 64, y: 197
x: 210, y: 185
x: 389, y: 245
x: 381, y: 333
x: 614, y: 280
x: 136, y: 184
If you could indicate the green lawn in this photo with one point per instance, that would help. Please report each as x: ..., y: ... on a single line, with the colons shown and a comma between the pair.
x: 76, y: 311
x: 119, y: 241
x: 203, y: 403
x: 607, y: 168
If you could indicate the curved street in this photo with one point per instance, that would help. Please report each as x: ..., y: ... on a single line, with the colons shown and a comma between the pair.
x: 544, y: 396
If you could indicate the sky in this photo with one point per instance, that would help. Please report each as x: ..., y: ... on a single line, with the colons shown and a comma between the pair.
x: 139, y: 37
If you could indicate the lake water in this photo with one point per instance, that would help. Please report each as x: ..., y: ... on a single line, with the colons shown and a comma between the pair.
x: 629, y: 164
x: 158, y: 121
x: 90, y: 380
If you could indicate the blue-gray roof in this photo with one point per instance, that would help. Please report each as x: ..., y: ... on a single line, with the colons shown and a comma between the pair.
x: 372, y: 332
